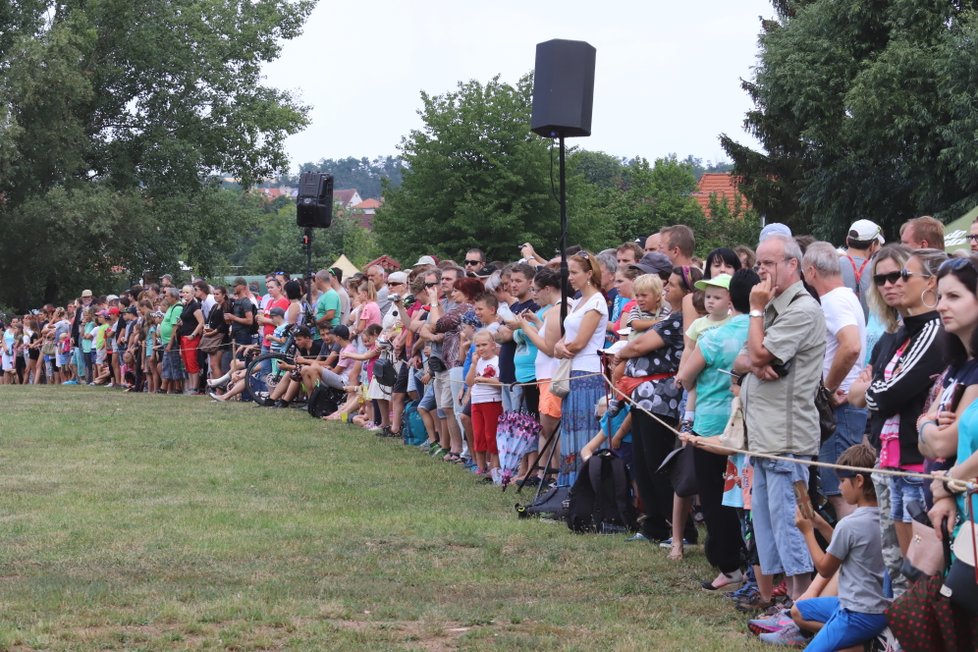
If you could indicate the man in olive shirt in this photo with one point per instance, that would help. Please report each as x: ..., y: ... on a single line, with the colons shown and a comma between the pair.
x: 782, y: 364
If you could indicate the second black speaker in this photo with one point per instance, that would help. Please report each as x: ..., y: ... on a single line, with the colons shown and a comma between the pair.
x: 563, y: 88
x: 314, y: 202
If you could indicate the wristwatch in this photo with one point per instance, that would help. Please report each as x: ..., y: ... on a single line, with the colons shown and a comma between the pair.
x: 756, y: 313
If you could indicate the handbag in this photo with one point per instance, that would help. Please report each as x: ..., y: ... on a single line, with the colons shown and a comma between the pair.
x: 560, y: 382
x: 961, y: 583
x: 925, y: 555
x: 826, y: 413
x: 733, y: 432
x: 211, y: 343
x: 924, y: 620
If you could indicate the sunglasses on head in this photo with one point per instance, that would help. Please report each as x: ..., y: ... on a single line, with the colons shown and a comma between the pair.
x: 956, y: 264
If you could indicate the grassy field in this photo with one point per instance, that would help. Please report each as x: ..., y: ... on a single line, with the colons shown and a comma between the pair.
x: 157, y: 523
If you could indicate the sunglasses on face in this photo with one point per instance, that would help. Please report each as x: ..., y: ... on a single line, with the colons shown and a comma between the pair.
x: 881, y: 279
x: 473, y: 262
x: 431, y: 285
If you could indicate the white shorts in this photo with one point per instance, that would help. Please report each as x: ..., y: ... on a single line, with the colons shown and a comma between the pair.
x: 375, y: 391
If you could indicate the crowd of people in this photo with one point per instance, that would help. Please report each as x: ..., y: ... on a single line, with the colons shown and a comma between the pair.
x: 673, y: 346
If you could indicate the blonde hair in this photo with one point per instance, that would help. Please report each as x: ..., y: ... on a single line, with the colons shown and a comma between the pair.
x: 649, y: 283
x: 369, y: 288
x: 888, y: 315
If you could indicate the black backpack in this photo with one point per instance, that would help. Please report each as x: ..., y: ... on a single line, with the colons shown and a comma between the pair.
x: 600, y: 499
x: 324, y: 400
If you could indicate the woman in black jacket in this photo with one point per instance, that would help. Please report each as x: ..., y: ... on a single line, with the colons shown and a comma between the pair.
x: 902, y: 370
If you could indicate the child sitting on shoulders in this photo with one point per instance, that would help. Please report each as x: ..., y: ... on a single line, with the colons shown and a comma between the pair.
x: 855, y: 552
x: 487, y: 406
x: 643, y: 316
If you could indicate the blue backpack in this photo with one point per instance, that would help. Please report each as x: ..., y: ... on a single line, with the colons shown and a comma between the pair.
x: 412, y: 426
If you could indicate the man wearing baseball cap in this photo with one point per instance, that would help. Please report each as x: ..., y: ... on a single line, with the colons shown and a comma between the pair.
x: 862, y: 242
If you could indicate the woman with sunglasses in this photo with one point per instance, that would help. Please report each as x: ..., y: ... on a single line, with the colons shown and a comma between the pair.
x: 896, y: 384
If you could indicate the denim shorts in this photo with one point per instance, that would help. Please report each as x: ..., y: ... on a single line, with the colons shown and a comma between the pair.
x: 843, y: 628
x: 850, y: 427
x: 781, y: 548
x: 902, y: 492
x: 427, y: 401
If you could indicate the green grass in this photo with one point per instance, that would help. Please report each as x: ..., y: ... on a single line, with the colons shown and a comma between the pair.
x: 156, y: 523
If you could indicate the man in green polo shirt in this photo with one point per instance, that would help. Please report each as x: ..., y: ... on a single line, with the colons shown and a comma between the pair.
x: 172, y: 364
x: 328, y: 305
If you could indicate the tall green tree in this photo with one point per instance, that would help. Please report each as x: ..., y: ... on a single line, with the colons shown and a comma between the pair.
x: 475, y: 176
x: 864, y: 109
x: 133, y: 106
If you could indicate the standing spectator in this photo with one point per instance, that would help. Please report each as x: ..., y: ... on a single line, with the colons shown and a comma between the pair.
x: 169, y: 338
x: 678, y: 243
x: 923, y: 233
x: 241, y: 317
x: 845, y: 350
x: 329, y: 307
x: 217, y: 325
x: 378, y: 278
x: 520, y: 284
x: 336, y: 282
x: 475, y: 259
x: 628, y: 253
x: 652, y: 360
x: 190, y: 329
x: 973, y: 236
x: 714, y: 354
x: 864, y: 240
x: 896, y: 384
x: 781, y: 368
x: 584, y: 329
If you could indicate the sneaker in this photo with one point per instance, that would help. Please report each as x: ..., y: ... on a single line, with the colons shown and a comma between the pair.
x: 437, y: 451
x: 425, y: 447
x: 753, y: 604
x: 788, y: 636
x: 638, y: 536
x: 70, y: 382
x: 768, y: 624
x: 214, y: 395
x: 743, y: 591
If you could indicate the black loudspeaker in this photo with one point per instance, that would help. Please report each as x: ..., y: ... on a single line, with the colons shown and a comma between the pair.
x: 563, y: 89
x: 314, y: 203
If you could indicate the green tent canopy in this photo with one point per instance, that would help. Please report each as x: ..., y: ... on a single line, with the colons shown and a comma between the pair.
x: 956, y: 232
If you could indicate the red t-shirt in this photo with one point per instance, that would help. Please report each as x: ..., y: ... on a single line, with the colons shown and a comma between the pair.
x: 267, y: 329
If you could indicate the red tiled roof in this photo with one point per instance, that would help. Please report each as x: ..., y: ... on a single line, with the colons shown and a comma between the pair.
x: 386, y: 262
x: 722, y: 184
x: 368, y: 203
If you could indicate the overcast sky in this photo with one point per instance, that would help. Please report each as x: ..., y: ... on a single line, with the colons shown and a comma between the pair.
x: 667, y: 77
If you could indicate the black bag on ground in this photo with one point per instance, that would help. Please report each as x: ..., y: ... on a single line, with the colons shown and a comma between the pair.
x: 549, y: 504
x: 601, y: 500
x: 324, y: 400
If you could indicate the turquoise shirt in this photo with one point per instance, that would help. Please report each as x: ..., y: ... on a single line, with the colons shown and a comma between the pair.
x: 86, y: 344
x: 328, y: 300
x: 967, y: 445
x: 719, y: 346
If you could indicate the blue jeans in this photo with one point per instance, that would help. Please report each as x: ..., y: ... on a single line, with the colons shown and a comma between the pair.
x: 512, y: 397
x: 850, y: 426
x: 902, y: 492
x: 781, y: 547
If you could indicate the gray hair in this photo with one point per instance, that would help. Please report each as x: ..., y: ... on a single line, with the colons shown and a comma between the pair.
x: 173, y: 292
x: 609, y: 260
x: 791, y: 248
x: 323, y: 275
x: 823, y: 257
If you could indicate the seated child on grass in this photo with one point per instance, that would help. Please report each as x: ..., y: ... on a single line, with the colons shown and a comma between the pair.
x: 855, y: 551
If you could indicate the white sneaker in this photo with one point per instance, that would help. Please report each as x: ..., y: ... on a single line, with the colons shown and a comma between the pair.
x: 219, y: 381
